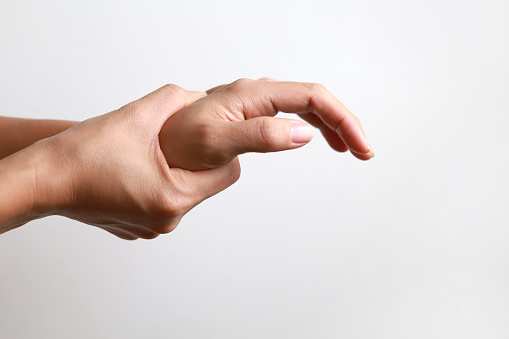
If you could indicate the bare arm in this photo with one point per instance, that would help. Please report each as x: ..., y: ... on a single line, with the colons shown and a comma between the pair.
x: 107, y: 171
x: 136, y: 171
x: 16, y: 133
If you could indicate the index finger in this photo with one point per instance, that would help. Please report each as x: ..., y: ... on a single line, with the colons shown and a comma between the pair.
x: 267, y: 98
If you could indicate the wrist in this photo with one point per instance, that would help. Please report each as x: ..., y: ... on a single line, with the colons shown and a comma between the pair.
x: 18, y: 189
x: 53, y: 187
x: 33, y: 184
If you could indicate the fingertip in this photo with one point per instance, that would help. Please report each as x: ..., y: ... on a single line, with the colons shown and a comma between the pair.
x: 364, y: 156
x: 301, y: 132
x: 356, y: 141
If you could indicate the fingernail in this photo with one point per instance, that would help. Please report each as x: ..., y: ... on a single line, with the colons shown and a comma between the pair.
x: 370, y: 149
x: 369, y: 152
x: 301, y: 132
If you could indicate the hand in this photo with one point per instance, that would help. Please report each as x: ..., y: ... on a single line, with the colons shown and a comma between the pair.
x: 117, y: 171
x: 238, y: 118
x: 110, y: 172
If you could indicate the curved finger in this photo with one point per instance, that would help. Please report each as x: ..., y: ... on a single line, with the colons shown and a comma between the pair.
x: 212, y: 181
x: 166, y: 101
x: 197, y: 186
x: 217, y: 88
x: 131, y: 231
x: 332, y: 138
x: 303, y: 98
x: 140, y: 231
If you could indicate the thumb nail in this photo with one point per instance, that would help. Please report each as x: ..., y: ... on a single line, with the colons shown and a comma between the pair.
x: 301, y: 132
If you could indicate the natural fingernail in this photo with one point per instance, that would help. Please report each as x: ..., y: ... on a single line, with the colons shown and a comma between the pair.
x: 370, y: 149
x: 369, y: 152
x: 301, y: 132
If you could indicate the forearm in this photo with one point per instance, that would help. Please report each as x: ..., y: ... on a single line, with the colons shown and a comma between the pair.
x: 17, y: 191
x: 17, y: 134
x: 21, y: 196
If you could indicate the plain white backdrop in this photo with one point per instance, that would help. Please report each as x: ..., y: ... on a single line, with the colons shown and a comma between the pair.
x: 309, y: 243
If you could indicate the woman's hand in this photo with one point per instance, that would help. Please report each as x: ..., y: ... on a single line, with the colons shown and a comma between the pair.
x: 110, y: 172
x: 136, y: 171
x: 238, y: 118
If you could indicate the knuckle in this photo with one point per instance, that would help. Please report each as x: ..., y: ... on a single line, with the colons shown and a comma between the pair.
x: 215, y: 158
x: 168, y: 205
x: 172, y: 89
x: 209, y: 146
x: 167, y: 227
x: 176, y: 206
x: 239, y: 85
x: 130, y: 111
x: 268, y: 134
x: 207, y: 135
x: 317, y: 88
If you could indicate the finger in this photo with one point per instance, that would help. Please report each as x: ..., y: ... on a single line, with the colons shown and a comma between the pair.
x: 334, y: 141
x: 139, y: 231
x: 131, y: 231
x: 193, y: 96
x: 303, y: 98
x: 166, y: 101
x: 169, y: 226
x: 332, y: 138
x: 264, y: 134
x: 120, y: 234
x: 200, y: 185
x: 217, y: 88
x: 214, y: 89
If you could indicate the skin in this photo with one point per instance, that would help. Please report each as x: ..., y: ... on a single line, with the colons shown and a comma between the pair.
x: 215, y: 125
x: 17, y: 134
x: 136, y: 171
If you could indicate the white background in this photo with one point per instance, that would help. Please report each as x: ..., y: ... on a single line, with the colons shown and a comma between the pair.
x: 309, y: 243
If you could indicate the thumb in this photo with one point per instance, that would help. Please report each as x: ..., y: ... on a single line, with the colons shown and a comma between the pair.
x: 266, y: 134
